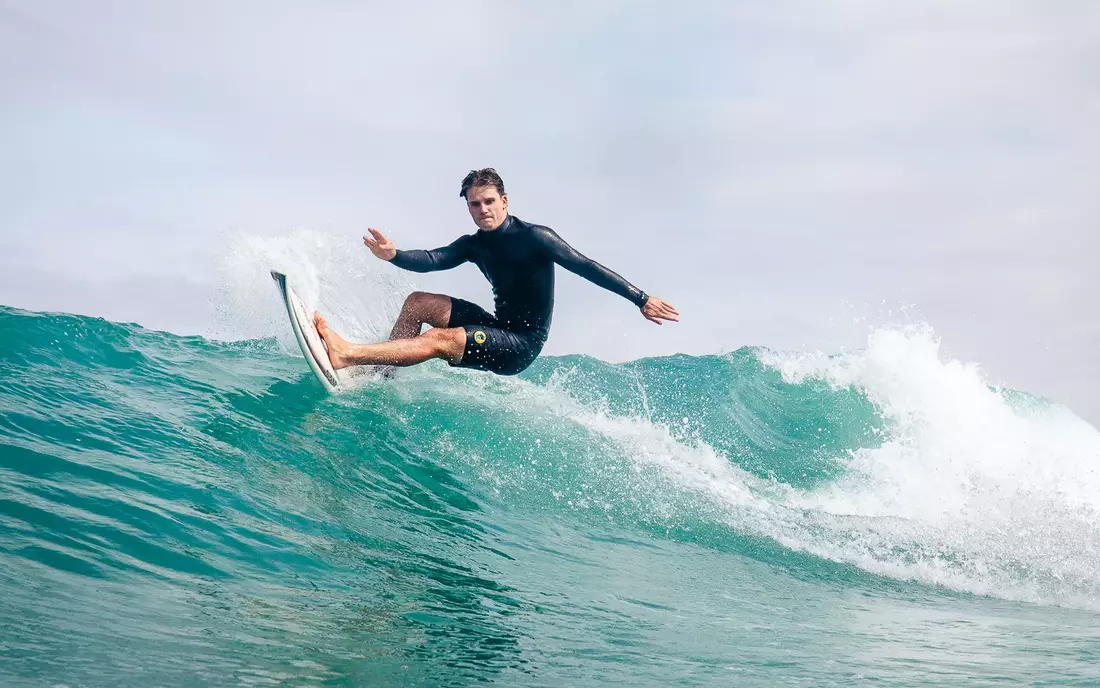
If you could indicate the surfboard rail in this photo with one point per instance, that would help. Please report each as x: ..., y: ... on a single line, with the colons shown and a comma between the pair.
x: 313, y: 347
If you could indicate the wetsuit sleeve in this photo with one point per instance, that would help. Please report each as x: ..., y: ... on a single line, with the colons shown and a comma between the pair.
x: 445, y: 258
x: 572, y: 260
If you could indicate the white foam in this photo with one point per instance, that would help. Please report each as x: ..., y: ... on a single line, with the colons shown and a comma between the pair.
x: 969, y: 490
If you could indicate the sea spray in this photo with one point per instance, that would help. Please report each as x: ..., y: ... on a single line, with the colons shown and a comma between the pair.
x: 359, y: 295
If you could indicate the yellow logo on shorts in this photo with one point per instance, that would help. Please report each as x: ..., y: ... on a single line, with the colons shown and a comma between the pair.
x: 479, y: 337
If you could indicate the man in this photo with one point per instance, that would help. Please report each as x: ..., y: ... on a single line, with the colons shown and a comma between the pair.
x: 518, y: 260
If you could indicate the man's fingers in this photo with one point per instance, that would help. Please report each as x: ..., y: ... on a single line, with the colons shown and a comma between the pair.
x: 662, y: 309
x: 657, y: 309
x: 659, y: 312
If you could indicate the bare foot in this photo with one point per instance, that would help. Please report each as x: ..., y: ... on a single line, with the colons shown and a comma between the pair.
x: 337, y: 345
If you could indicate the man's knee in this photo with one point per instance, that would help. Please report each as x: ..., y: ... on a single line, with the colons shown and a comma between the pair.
x: 447, y: 343
x: 431, y: 308
x: 418, y: 299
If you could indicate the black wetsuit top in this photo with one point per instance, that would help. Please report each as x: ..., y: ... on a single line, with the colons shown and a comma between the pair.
x: 518, y: 260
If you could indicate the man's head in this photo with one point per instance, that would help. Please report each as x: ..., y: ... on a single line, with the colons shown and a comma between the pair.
x: 485, y: 198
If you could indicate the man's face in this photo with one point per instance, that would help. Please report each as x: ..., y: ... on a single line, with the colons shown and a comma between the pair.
x: 488, y: 208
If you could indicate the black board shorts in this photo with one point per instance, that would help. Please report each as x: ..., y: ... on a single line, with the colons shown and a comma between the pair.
x: 490, y: 346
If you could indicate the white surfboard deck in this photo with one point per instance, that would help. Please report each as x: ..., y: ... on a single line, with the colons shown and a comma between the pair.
x: 301, y: 320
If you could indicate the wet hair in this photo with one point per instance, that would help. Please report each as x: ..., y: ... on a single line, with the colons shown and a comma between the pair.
x: 485, y: 177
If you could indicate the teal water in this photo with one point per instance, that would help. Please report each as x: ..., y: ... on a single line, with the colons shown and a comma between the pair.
x: 176, y: 511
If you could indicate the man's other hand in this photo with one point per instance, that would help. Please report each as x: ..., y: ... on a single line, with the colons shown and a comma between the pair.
x: 379, y: 245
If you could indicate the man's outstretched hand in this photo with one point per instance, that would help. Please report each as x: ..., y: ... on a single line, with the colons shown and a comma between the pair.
x: 379, y: 245
x: 657, y: 310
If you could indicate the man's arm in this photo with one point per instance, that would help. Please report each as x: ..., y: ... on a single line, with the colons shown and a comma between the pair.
x: 653, y: 308
x: 443, y: 258
x: 572, y: 260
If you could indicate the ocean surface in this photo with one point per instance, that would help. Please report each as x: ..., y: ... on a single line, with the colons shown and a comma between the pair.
x: 177, y: 511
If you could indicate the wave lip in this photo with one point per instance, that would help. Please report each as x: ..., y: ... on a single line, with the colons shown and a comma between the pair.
x: 980, y: 489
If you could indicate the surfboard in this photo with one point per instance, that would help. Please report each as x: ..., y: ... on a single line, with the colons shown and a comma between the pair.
x: 301, y: 321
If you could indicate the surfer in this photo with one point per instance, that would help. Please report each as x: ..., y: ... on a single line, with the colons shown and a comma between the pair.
x: 517, y: 258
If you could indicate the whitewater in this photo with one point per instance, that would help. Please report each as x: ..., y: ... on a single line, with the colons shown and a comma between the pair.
x: 197, y: 511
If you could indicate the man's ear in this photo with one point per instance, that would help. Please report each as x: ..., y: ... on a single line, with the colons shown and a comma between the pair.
x: 504, y: 200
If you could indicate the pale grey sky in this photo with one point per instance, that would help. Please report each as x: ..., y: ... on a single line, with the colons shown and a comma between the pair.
x: 774, y: 169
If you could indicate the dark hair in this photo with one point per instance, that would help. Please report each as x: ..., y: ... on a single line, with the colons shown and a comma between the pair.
x: 485, y: 177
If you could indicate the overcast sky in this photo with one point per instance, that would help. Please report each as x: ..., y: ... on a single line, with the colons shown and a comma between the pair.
x: 774, y: 169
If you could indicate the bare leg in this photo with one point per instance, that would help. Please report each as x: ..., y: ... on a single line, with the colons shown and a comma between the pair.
x: 421, y: 308
x: 445, y: 343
